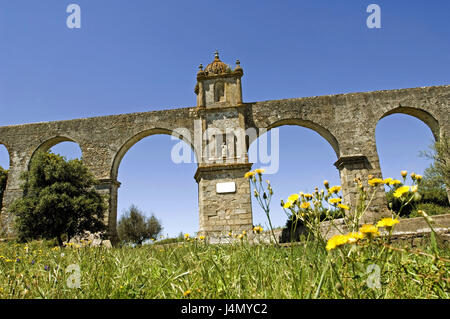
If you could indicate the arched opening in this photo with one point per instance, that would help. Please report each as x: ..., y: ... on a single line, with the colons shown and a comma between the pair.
x: 60, y: 145
x: 70, y: 150
x: 4, y: 167
x: 401, y: 140
x: 305, y: 159
x: 4, y: 157
x: 219, y: 92
x: 153, y: 179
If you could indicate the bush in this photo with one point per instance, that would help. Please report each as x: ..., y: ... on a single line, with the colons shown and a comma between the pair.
x: 59, y: 200
x: 135, y: 228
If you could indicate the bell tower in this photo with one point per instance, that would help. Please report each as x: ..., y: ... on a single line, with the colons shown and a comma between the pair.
x: 218, y: 85
x: 224, y: 193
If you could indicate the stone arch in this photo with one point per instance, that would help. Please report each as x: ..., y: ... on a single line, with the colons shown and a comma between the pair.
x: 326, y: 134
x: 420, y: 114
x: 136, y: 138
x: 48, y: 144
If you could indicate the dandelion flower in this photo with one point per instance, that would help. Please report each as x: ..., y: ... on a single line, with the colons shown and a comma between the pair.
x: 399, y: 192
x: 288, y: 204
x: 257, y: 229
x: 335, y: 189
x: 375, y: 181
x: 293, y: 197
x: 308, y: 196
x: 187, y: 293
x: 259, y: 171
x: 369, y: 229
x: 387, y: 222
x: 343, y: 206
x: 404, y: 173
x: 395, y: 182
x: 336, y: 241
x: 353, y: 237
x: 326, y: 184
x: 249, y: 174
x: 305, y: 205
x: 334, y: 201
x: 387, y: 180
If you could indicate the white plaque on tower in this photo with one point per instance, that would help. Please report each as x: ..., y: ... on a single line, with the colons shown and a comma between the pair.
x: 224, y: 188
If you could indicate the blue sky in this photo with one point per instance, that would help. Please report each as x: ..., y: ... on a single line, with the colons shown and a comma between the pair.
x: 133, y: 56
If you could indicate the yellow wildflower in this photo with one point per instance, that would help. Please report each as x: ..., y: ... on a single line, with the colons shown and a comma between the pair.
x: 335, y: 189
x: 387, y: 222
x: 259, y: 171
x: 201, y: 237
x: 400, y: 191
x: 336, y: 241
x: 395, y: 182
x: 369, y: 229
x: 353, y: 237
x: 308, y: 196
x: 249, y: 174
x: 404, y: 173
x: 241, y: 236
x: 257, y: 229
x: 186, y: 236
x: 419, y: 178
x: 293, y: 197
x: 414, y: 188
x: 326, y: 184
x: 387, y: 180
x: 288, y: 204
x: 187, y: 293
x: 305, y: 205
x: 343, y: 206
x: 375, y: 181
x: 335, y: 201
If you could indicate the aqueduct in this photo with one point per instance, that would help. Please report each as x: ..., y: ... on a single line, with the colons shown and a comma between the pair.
x: 346, y: 121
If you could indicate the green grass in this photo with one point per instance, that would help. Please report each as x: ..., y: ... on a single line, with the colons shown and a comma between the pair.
x: 238, y: 270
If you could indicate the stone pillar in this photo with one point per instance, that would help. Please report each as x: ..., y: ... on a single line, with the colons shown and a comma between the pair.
x: 358, y: 166
x: 13, y: 191
x: 109, y: 188
x: 224, y: 198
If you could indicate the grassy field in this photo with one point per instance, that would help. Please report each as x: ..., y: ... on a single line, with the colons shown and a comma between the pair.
x: 239, y: 270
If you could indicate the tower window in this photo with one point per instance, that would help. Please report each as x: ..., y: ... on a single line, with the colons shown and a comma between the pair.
x: 219, y: 92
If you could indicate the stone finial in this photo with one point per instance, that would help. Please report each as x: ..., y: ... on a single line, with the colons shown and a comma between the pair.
x: 238, y: 65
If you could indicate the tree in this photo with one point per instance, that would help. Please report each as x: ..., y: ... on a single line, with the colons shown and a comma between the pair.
x: 3, y: 179
x: 433, y: 191
x: 59, y: 199
x: 440, y: 154
x: 134, y: 227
